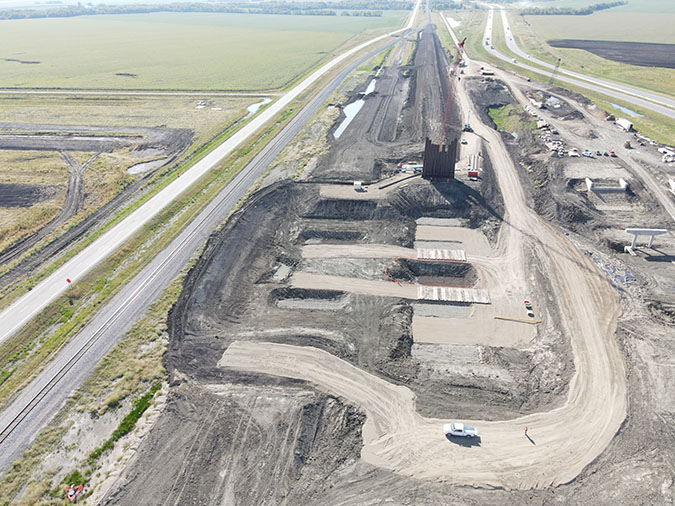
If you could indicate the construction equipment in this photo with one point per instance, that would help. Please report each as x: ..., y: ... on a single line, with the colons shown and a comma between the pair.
x: 467, y: 125
x: 555, y: 70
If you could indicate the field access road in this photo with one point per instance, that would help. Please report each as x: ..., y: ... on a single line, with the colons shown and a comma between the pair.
x: 29, y: 305
x: 35, y: 405
x: 559, y: 443
x: 661, y: 104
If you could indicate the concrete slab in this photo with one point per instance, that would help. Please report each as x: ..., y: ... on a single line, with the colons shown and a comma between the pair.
x: 473, y: 241
x: 595, y: 169
x: 452, y: 294
x: 441, y: 254
x: 354, y: 285
x: 356, y: 251
x: 439, y: 222
x: 373, y: 191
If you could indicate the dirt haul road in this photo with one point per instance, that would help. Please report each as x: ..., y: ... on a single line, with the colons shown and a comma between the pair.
x: 561, y: 442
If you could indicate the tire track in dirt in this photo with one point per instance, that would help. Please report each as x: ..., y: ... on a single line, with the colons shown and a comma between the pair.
x: 72, y: 204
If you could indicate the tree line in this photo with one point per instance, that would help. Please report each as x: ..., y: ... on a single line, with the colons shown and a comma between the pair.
x: 583, y: 11
x: 367, y: 8
x: 445, y: 5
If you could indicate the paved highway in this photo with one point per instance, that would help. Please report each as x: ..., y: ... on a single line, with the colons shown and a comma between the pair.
x: 36, y: 404
x: 24, y: 309
x: 666, y: 107
x: 623, y: 88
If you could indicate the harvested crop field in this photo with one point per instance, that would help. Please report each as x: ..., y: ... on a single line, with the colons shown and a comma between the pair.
x: 632, y: 53
x: 149, y: 51
x: 99, y: 150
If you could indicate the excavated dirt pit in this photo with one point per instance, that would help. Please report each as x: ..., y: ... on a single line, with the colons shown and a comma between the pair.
x: 431, y: 272
x: 36, y: 137
x: 298, y: 298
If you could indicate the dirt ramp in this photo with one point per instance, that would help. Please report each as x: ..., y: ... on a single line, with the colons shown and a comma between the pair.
x: 243, y: 445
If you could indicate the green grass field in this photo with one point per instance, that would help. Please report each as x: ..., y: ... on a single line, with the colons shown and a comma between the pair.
x: 607, y: 25
x: 175, y: 50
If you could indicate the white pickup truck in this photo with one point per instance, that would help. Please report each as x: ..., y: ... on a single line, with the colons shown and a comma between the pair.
x: 459, y: 429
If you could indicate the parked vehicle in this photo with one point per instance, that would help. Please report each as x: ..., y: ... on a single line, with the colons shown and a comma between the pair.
x: 612, y: 154
x: 588, y: 154
x: 460, y: 430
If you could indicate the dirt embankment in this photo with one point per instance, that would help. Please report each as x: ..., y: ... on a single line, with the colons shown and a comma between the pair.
x: 635, y: 469
x: 395, y: 119
x: 244, y: 444
x: 540, y: 171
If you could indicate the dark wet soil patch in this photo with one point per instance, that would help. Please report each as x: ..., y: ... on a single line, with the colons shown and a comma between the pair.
x: 633, y: 53
x: 24, y: 195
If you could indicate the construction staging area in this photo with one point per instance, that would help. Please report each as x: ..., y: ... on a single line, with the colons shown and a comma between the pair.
x: 337, y: 321
x: 330, y: 329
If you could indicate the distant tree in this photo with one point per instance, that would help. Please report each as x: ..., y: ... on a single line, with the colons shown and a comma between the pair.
x: 584, y: 11
x: 369, y: 8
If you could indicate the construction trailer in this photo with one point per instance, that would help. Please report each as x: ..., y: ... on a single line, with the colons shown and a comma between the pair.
x: 625, y: 124
x: 439, y: 160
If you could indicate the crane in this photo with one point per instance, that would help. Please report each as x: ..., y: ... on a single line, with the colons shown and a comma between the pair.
x: 555, y: 70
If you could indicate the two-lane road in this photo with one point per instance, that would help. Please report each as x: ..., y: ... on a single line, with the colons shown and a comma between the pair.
x: 626, y: 94
x: 657, y: 98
